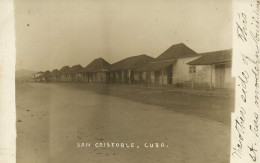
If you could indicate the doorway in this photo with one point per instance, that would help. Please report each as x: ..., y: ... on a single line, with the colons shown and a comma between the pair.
x: 169, y: 74
x: 220, y: 76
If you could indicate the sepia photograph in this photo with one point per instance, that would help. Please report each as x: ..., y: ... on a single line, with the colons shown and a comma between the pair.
x: 120, y: 81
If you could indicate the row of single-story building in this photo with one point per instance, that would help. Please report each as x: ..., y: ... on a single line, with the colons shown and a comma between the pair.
x: 179, y: 65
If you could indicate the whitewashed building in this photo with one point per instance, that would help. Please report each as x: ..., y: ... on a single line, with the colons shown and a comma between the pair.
x: 96, y: 72
x: 127, y: 71
x: 170, y: 67
x: 212, y: 70
x: 37, y: 77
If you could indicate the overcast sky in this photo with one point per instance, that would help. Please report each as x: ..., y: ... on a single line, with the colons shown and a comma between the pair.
x: 54, y: 33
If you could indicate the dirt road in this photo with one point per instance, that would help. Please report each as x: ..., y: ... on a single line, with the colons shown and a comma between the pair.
x: 54, y: 119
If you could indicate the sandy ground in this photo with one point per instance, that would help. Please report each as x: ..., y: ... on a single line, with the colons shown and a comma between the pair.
x: 53, y: 118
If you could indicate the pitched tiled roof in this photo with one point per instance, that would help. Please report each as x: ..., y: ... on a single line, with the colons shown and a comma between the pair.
x: 97, y: 65
x: 75, y: 68
x: 177, y: 51
x: 215, y: 57
x: 65, y: 69
x: 134, y: 62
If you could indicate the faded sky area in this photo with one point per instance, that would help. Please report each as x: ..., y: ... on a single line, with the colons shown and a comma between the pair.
x: 54, y: 33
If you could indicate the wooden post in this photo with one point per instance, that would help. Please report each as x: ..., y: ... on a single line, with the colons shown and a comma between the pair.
x: 129, y: 73
x: 210, y: 76
x: 192, y: 80
x: 150, y: 77
x: 122, y: 78
x: 162, y: 76
x: 116, y: 78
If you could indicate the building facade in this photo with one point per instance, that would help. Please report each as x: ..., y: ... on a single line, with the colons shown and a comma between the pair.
x: 212, y: 70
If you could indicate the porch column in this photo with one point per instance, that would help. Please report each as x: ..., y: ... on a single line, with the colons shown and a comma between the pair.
x: 210, y: 76
x: 116, y: 77
x: 122, y: 77
x: 162, y: 76
x: 192, y: 80
x: 151, y: 77
x: 129, y: 76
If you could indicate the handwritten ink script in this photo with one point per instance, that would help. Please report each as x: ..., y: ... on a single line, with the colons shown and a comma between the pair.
x: 245, y: 119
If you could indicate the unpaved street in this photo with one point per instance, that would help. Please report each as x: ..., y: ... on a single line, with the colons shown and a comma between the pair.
x: 53, y: 118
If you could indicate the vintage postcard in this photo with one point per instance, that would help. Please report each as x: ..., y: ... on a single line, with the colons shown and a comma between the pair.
x: 171, y: 81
